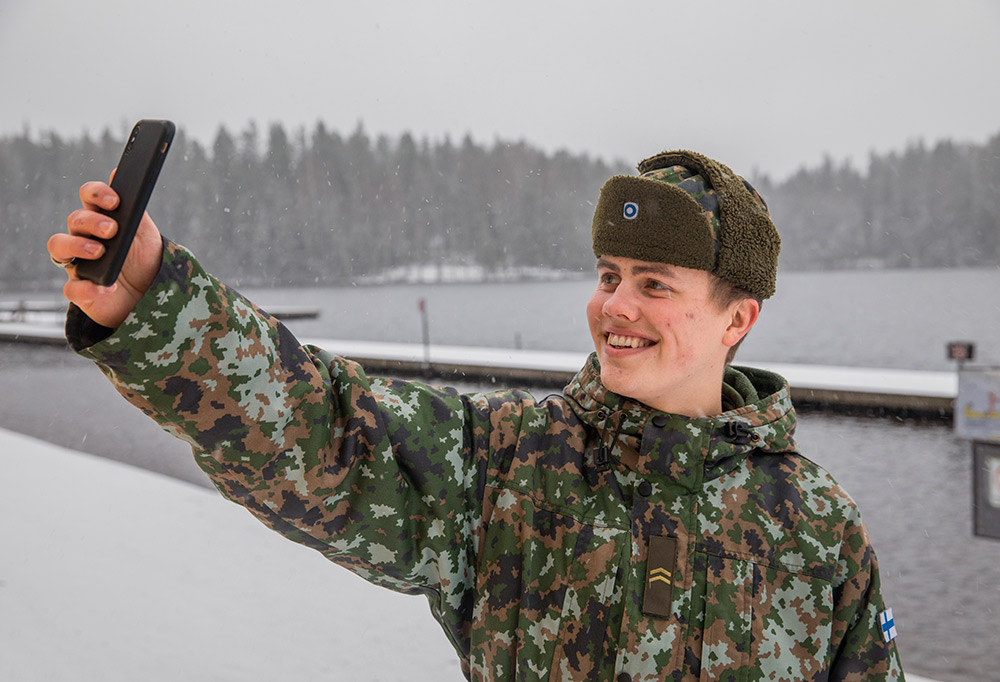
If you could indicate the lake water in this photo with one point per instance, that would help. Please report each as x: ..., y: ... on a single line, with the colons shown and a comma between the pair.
x: 895, y: 319
x: 911, y: 480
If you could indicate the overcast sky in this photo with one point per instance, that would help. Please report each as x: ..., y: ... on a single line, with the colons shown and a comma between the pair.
x: 767, y: 86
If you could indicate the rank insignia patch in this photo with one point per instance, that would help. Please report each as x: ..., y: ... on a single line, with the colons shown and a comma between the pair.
x: 658, y: 597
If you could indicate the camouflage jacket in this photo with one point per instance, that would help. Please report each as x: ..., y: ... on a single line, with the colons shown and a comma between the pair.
x: 581, y: 537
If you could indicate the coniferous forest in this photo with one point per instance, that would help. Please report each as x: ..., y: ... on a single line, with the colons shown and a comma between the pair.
x: 316, y: 207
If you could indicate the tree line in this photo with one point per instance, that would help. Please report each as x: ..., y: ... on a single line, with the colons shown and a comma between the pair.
x: 925, y: 206
x: 317, y: 207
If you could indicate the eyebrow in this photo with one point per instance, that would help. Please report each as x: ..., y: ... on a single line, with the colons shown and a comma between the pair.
x: 643, y: 268
x: 604, y: 264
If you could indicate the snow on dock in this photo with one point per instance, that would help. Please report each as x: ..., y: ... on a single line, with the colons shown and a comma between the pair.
x: 896, y: 390
x: 892, y: 390
x: 25, y: 310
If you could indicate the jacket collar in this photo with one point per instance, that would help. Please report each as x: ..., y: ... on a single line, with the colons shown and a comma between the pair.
x: 650, y: 441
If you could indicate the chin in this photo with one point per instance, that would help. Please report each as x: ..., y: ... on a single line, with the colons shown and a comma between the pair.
x: 618, y: 382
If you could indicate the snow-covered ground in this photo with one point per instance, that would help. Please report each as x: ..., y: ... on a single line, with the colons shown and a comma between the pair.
x: 109, y: 572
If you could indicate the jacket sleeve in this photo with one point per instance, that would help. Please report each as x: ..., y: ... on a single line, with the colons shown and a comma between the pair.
x: 384, y: 477
x: 862, y: 653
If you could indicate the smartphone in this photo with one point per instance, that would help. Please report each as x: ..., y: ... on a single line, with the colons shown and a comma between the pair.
x: 134, y: 181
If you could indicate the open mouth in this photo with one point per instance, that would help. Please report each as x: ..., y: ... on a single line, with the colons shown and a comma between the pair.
x: 619, y: 341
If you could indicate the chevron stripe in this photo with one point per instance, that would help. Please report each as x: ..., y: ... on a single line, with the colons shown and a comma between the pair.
x: 661, y: 574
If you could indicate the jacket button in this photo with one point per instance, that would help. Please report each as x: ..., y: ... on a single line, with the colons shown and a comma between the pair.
x: 645, y: 488
x: 659, y: 421
x: 624, y: 677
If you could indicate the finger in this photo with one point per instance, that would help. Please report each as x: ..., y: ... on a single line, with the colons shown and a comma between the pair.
x: 88, y: 223
x: 65, y: 247
x: 83, y: 292
x: 98, y: 196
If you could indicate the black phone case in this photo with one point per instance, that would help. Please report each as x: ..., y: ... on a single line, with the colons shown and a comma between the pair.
x: 134, y: 181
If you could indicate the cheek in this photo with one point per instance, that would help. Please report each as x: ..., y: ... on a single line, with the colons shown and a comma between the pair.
x: 594, y: 309
x: 701, y: 329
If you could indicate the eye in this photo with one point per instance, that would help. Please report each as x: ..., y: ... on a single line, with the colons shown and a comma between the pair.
x: 608, y: 279
x: 657, y: 285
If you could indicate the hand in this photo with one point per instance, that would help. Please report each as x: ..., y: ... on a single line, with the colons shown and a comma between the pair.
x: 108, y: 306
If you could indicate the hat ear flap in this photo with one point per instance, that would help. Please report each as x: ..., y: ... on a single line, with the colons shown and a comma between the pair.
x: 751, y: 260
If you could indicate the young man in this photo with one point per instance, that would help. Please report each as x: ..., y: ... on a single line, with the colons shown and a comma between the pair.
x: 655, y: 522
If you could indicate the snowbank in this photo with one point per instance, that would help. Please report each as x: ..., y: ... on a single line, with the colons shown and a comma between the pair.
x: 109, y: 572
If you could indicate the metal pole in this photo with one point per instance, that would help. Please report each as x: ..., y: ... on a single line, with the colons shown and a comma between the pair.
x: 425, y: 327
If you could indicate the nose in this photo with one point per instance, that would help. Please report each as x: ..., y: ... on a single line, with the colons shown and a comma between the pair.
x: 621, y: 304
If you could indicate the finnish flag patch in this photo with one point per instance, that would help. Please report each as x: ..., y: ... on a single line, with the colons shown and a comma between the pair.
x: 888, y: 625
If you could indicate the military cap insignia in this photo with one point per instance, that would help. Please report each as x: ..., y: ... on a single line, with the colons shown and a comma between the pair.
x: 631, y: 211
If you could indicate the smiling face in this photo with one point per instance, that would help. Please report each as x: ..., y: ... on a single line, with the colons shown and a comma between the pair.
x: 660, y: 337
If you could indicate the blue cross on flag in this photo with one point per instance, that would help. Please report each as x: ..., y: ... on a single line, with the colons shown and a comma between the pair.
x: 888, y: 625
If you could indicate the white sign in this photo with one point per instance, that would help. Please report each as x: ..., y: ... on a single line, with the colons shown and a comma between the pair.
x: 993, y: 481
x: 977, y: 408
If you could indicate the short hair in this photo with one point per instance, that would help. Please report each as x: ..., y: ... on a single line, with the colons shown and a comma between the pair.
x: 723, y: 294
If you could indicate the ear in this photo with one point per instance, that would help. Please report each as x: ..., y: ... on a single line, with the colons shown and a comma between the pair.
x: 744, y: 315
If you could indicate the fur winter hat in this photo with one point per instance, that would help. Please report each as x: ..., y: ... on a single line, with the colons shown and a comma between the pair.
x: 688, y: 210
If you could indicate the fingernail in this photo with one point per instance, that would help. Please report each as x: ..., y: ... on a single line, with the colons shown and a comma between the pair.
x: 93, y: 249
x: 106, y: 227
x: 109, y: 201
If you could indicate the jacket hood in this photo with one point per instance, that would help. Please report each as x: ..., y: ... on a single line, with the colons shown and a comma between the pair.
x: 761, y: 416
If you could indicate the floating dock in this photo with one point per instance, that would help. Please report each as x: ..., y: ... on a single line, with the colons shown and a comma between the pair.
x: 26, y: 310
x: 851, y: 389
x: 928, y: 394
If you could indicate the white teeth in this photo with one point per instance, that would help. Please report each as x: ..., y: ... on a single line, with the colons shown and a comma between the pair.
x: 627, y: 341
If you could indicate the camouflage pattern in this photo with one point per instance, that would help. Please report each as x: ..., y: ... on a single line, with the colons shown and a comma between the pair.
x: 525, y: 524
x: 699, y: 190
x: 694, y: 185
